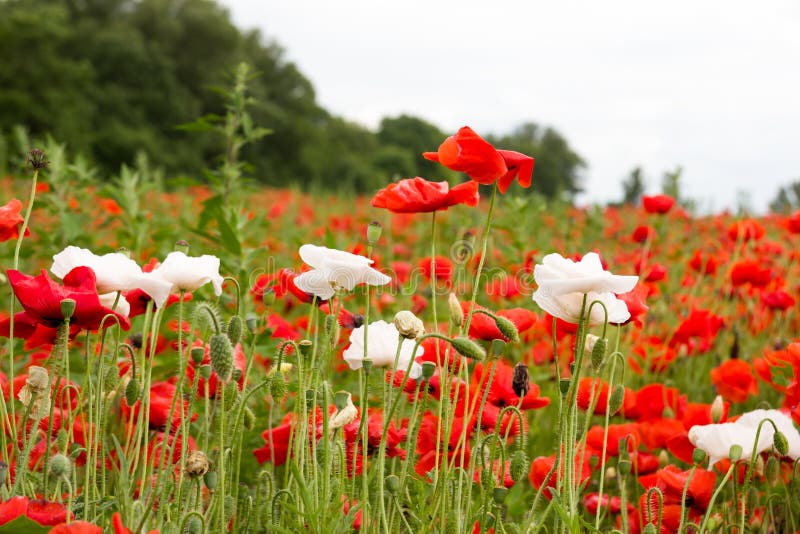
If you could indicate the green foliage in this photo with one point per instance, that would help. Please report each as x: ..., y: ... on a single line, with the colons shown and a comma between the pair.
x: 786, y: 199
x: 633, y: 187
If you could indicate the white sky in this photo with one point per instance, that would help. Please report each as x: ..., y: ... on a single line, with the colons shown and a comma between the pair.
x: 713, y: 86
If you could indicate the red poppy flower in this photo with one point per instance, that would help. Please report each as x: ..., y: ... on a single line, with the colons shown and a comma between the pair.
x: 734, y: 380
x: 76, y: 527
x: 700, y: 324
x: 428, y: 444
x: 501, y: 391
x: 777, y: 300
x: 745, y: 230
x: 10, y: 220
x: 643, y: 233
x: 443, y: 265
x: 542, y: 465
x: 635, y: 300
x: 354, y: 451
x: 161, y: 394
x: 657, y: 203
x: 418, y: 195
x: 481, y: 326
x: 41, y: 299
x: 276, y: 448
x: 43, y: 512
x: 469, y: 153
x: 750, y: 271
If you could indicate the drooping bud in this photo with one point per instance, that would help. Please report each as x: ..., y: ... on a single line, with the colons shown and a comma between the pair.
x: 234, y: 329
x: 67, y: 308
x: 520, y: 383
x: 456, y: 313
x: 374, y: 230
x: 773, y: 470
x: 598, y: 350
x: 196, y: 464
x: 507, y: 328
x: 780, y: 443
x: 132, y: 392
x: 249, y: 419
x: 717, y: 409
x: 277, y: 387
x: 344, y: 416
x: 194, y: 525
x: 409, y: 325
x: 221, y: 352
x: 468, y: 348
x: 62, y: 440
x: 519, y: 465
x: 617, y: 399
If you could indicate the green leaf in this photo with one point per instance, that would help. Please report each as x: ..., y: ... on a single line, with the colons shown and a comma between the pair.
x: 23, y: 525
x: 229, y: 237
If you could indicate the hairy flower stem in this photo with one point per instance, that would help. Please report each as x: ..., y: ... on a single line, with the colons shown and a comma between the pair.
x: 717, y: 491
x: 7, y: 423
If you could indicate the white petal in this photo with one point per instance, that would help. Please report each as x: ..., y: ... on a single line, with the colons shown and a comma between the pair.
x: 315, y: 282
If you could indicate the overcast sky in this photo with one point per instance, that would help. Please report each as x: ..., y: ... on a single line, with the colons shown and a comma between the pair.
x: 713, y: 86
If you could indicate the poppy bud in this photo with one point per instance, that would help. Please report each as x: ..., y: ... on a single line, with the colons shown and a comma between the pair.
x: 67, y: 308
x: 468, y: 348
x: 773, y: 470
x: 252, y: 323
x: 611, y: 473
x: 735, y: 452
x: 780, y: 443
x: 507, y: 328
x: 194, y: 525
x: 599, y: 350
x: 231, y: 395
x: 249, y: 419
x: 624, y: 467
x: 229, y: 507
x: 520, y: 383
x: 409, y: 325
x: 132, y: 392
x: 499, y: 494
x: 374, y: 230
x: 211, y: 479
x: 717, y: 409
x: 62, y: 440
x: 234, y: 329
x: 221, y: 352
x: 198, y: 353
x: 60, y: 466
x: 182, y: 246
x: 196, y: 464
x: 519, y: 465
x: 498, y: 347
x: 663, y: 458
x: 456, y: 313
x: 428, y: 368
x: 205, y: 371
x: 393, y: 484
x: 37, y: 159
x: 277, y: 387
x: 332, y: 329
x: 236, y: 374
x: 305, y: 347
x: 698, y: 456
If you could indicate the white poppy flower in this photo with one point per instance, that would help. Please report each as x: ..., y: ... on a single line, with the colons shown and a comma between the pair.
x: 188, y: 273
x: 335, y: 269
x: 382, y: 340
x: 114, y: 272
x: 345, y: 416
x: 123, y: 307
x: 563, y: 283
x: 716, y: 440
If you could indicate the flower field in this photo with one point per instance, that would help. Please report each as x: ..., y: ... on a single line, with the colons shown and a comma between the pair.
x: 433, y: 358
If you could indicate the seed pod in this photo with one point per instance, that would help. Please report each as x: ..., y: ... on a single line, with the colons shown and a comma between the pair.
x: 519, y: 465
x: 132, y: 392
x: 780, y: 443
x: 198, y: 354
x: 67, y: 308
x: 499, y: 494
x: 624, y: 467
x: 234, y: 329
x: 428, y: 369
x: 393, y: 484
x: 210, y: 479
x: 60, y: 466
x: 563, y: 386
x: 599, y: 353
x: 221, y: 352
x: 520, y: 383
x: 698, y: 456
x: 305, y: 348
x: 374, y: 230
x: 193, y: 525
x: 231, y: 395
x: 205, y: 372
x: 735, y: 452
x: 468, y: 348
x: 196, y: 464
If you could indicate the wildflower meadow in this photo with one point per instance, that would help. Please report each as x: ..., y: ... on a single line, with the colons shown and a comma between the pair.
x: 433, y: 357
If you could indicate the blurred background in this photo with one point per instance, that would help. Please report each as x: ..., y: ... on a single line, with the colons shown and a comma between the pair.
x: 613, y: 99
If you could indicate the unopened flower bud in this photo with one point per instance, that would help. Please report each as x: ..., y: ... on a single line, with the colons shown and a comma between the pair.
x: 598, y: 350
x: 409, y: 325
x: 231, y: 395
x: 132, y: 392
x: 60, y: 466
x: 194, y: 525
x: 182, y: 246
x: 249, y: 419
x: 507, y: 328
x: 62, y: 440
x: 617, y: 399
x: 221, y: 352
x: 520, y: 382
x: 456, y: 313
x: 234, y: 329
x: 198, y: 354
x: 277, y: 387
x: 717, y: 409
x: 468, y: 348
x: 392, y: 484
x: 236, y: 374
x: 196, y: 464
x: 252, y: 323
x: 519, y: 465
x: 780, y: 443
x: 374, y: 230
x: 67, y: 308
x: 428, y: 369
x: 332, y: 329
x: 663, y: 458
x: 366, y: 364
x: 649, y: 528
x: 344, y: 416
x: 698, y: 456
x: 211, y: 480
x: 773, y: 470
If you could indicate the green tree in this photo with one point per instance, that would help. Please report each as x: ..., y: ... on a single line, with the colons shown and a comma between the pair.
x: 415, y: 136
x: 633, y: 187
